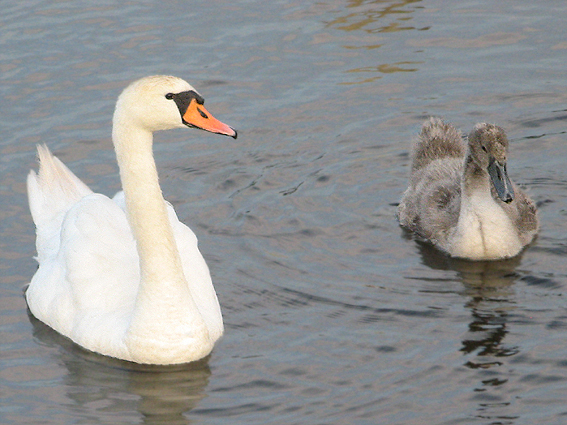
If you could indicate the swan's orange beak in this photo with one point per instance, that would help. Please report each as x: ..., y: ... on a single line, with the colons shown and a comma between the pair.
x: 197, y: 116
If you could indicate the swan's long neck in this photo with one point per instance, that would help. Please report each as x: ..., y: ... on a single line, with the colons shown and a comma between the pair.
x: 147, y: 213
x: 164, y: 304
x: 475, y: 179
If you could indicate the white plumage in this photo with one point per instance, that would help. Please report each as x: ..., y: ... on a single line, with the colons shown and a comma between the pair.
x: 124, y: 277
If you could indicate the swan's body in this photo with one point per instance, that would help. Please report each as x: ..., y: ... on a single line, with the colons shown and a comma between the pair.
x: 124, y: 277
x: 460, y: 197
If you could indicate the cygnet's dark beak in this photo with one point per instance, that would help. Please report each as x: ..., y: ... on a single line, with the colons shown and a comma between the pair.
x: 500, y: 180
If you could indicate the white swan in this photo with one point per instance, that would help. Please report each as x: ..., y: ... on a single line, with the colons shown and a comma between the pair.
x: 460, y: 197
x: 123, y: 277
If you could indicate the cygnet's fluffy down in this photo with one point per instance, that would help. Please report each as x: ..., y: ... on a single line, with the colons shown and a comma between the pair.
x: 460, y: 197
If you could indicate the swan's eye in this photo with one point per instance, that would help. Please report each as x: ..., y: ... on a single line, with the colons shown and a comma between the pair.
x: 169, y: 96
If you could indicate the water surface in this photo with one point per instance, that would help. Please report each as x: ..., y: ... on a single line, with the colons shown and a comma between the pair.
x: 333, y: 314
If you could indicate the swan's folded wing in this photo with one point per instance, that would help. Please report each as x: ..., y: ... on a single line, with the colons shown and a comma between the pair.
x: 100, y: 252
x: 93, y: 276
x: 197, y: 274
x: 54, y: 189
x: 52, y: 192
x: 523, y: 212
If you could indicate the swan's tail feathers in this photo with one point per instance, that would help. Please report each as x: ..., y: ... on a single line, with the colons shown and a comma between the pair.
x: 437, y: 139
x: 54, y: 190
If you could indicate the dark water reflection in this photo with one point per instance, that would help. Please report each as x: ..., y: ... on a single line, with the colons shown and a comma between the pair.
x: 488, y: 289
x: 96, y: 386
x: 489, y: 294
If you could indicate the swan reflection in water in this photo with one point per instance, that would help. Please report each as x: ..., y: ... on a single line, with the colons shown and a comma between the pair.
x: 488, y: 288
x: 109, y: 390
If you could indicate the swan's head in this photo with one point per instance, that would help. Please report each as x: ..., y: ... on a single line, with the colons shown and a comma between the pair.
x: 163, y: 102
x: 489, y: 148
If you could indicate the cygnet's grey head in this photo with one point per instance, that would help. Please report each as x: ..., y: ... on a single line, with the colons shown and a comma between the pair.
x: 489, y: 148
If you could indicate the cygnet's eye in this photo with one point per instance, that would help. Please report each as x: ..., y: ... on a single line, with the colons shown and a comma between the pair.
x: 169, y: 96
x: 484, y: 148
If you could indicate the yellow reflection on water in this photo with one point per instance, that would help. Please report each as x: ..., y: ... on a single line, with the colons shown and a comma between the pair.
x: 373, y: 17
x: 368, y: 13
x: 385, y: 68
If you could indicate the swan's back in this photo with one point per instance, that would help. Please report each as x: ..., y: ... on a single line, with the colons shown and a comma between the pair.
x: 431, y: 203
x: 51, y: 194
x: 76, y: 229
x: 437, y: 140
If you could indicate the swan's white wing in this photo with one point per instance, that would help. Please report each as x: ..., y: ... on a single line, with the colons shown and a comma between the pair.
x: 198, y: 276
x: 51, y: 193
x: 86, y: 287
x: 54, y: 189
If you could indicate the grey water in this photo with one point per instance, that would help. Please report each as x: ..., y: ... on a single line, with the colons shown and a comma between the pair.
x: 333, y: 314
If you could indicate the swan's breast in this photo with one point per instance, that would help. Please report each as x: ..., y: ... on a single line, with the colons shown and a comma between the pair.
x: 484, y: 231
